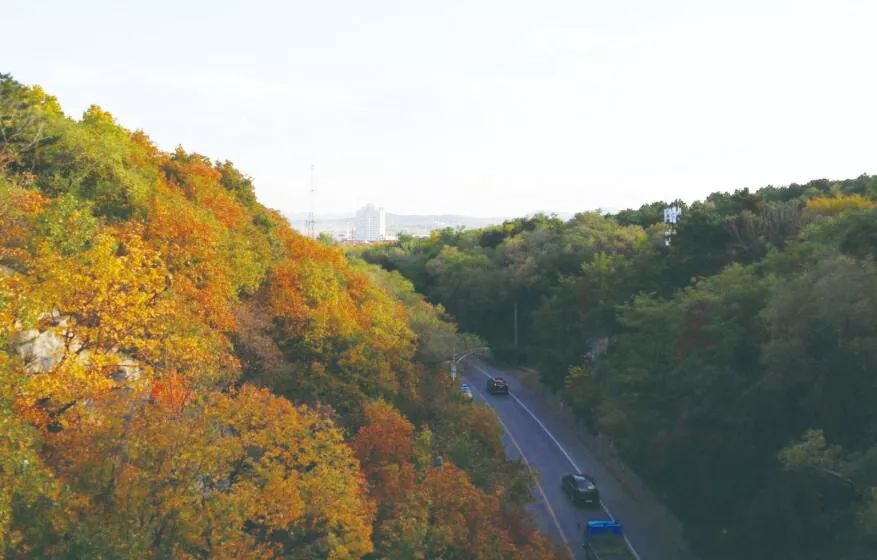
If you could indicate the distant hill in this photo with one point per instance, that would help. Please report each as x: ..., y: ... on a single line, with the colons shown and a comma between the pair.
x: 413, y: 224
x: 416, y: 224
x: 339, y: 224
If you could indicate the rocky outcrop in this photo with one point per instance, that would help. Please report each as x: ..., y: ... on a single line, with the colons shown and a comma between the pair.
x: 42, y: 351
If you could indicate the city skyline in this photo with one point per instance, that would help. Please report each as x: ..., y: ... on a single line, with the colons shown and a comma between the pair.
x: 342, y: 226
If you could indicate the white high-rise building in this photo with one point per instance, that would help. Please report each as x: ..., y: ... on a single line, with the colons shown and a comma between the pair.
x: 370, y: 224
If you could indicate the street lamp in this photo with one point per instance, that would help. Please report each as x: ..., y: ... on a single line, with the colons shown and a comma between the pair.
x: 456, y: 358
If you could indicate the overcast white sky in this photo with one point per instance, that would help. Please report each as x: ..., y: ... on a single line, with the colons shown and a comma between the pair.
x: 475, y: 107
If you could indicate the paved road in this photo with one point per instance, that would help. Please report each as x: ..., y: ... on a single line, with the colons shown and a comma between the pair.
x: 551, y: 448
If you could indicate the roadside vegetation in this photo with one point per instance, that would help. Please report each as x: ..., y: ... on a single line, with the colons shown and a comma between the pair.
x: 736, y: 369
x: 184, y: 376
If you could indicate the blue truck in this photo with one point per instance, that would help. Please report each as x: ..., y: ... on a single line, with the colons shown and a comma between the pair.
x: 604, y: 540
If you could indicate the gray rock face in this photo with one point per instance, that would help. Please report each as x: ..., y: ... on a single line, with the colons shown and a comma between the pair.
x: 128, y: 369
x: 40, y: 351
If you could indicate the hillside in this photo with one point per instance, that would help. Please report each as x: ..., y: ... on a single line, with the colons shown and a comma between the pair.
x: 735, y: 369
x: 182, y: 375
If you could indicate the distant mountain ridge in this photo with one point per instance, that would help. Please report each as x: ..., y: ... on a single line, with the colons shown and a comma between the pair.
x: 341, y: 224
x: 414, y: 224
x: 442, y: 220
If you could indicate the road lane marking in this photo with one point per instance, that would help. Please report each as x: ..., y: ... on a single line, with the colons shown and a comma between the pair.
x: 531, y: 469
x: 562, y: 450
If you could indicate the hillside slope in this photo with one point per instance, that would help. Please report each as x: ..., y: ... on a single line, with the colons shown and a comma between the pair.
x: 182, y: 375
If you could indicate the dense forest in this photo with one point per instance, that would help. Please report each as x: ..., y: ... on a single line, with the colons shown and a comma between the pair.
x: 182, y: 375
x: 735, y: 369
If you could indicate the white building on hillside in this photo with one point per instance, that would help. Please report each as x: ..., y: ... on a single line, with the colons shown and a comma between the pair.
x: 370, y: 224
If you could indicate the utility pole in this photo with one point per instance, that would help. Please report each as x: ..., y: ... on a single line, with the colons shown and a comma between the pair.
x: 311, y: 225
x: 453, y: 362
x: 455, y: 359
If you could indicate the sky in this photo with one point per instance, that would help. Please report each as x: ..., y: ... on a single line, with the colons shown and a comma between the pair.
x: 476, y: 107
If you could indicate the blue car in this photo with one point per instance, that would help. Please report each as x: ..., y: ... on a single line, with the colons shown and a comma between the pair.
x: 466, y: 390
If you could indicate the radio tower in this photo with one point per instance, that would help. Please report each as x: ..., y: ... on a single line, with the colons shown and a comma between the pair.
x: 312, y: 221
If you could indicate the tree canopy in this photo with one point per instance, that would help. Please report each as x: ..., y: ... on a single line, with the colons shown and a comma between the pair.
x: 182, y: 375
x: 733, y: 369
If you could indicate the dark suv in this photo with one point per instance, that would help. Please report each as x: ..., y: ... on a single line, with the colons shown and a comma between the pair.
x: 497, y: 386
x: 581, y: 489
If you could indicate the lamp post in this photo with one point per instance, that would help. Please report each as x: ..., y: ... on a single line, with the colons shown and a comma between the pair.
x: 456, y: 358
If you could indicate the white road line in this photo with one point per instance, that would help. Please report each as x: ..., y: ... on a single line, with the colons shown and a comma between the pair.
x: 557, y: 443
x: 530, y: 467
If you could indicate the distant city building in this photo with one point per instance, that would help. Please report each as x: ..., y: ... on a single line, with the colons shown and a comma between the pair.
x: 370, y: 224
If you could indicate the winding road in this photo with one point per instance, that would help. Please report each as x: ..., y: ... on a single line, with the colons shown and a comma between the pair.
x: 551, y: 447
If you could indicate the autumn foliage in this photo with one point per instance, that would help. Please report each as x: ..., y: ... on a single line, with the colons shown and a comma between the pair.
x: 184, y: 376
x: 434, y: 511
x: 832, y: 205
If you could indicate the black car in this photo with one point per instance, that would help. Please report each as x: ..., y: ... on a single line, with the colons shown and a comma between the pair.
x: 581, y: 489
x: 497, y: 386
